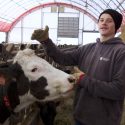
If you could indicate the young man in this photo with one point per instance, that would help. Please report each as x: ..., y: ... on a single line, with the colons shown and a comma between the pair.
x: 100, y: 93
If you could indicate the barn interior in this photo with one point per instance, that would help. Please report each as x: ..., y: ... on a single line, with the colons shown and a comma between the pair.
x: 71, y: 23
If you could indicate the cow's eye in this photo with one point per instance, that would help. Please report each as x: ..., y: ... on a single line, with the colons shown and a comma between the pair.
x: 33, y: 70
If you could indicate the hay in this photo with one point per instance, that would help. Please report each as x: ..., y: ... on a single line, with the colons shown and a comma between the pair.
x: 65, y: 113
x: 123, y: 116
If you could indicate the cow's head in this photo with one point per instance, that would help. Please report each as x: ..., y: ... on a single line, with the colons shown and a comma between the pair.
x: 36, y: 79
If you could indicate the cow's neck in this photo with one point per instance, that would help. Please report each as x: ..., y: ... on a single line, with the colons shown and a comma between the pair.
x: 25, y: 101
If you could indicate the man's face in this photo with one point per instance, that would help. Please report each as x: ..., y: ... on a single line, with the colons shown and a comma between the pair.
x: 2, y: 80
x: 106, y: 25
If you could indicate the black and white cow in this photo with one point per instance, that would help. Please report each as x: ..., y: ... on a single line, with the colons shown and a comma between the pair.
x: 31, y: 79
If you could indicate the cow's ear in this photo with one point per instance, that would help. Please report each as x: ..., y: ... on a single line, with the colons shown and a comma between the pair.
x: 6, y: 71
x: 15, y: 69
x: 11, y: 70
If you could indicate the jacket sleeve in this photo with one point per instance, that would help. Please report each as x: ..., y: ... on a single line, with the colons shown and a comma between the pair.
x: 115, y: 89
x: 61, y: 57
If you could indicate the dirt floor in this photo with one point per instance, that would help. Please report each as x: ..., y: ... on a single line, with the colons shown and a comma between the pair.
x: 65, y: 113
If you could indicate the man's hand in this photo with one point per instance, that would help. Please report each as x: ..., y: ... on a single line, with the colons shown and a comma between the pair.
x: 78, y: 74
x: 40, y: 34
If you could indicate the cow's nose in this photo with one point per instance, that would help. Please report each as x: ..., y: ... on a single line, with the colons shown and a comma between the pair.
x: 71, y: 79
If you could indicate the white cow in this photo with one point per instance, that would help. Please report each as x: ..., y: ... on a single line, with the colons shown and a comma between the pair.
x: 44, y: 82
x: 36, y: 79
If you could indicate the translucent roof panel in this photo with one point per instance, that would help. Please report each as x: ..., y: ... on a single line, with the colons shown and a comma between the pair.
x: 11, y: 11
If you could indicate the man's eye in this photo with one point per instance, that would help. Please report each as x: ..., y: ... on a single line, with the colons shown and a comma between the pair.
x: 101, y: 20
x: 109, y: 21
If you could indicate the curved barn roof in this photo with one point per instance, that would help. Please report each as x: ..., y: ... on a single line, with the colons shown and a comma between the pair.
x: 12, y: 11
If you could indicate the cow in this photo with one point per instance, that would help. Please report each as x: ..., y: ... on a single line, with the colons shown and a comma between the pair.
x: 30, y: 79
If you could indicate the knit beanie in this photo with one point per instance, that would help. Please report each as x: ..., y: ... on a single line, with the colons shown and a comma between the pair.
x: 117, y: 17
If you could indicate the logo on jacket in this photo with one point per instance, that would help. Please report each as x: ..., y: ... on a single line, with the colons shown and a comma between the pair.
x: 104, y: 59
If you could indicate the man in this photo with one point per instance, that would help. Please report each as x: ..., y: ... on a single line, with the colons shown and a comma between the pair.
x: 100, y: 92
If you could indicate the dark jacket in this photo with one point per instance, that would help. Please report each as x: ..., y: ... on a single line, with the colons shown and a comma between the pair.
x: 100, y: 95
